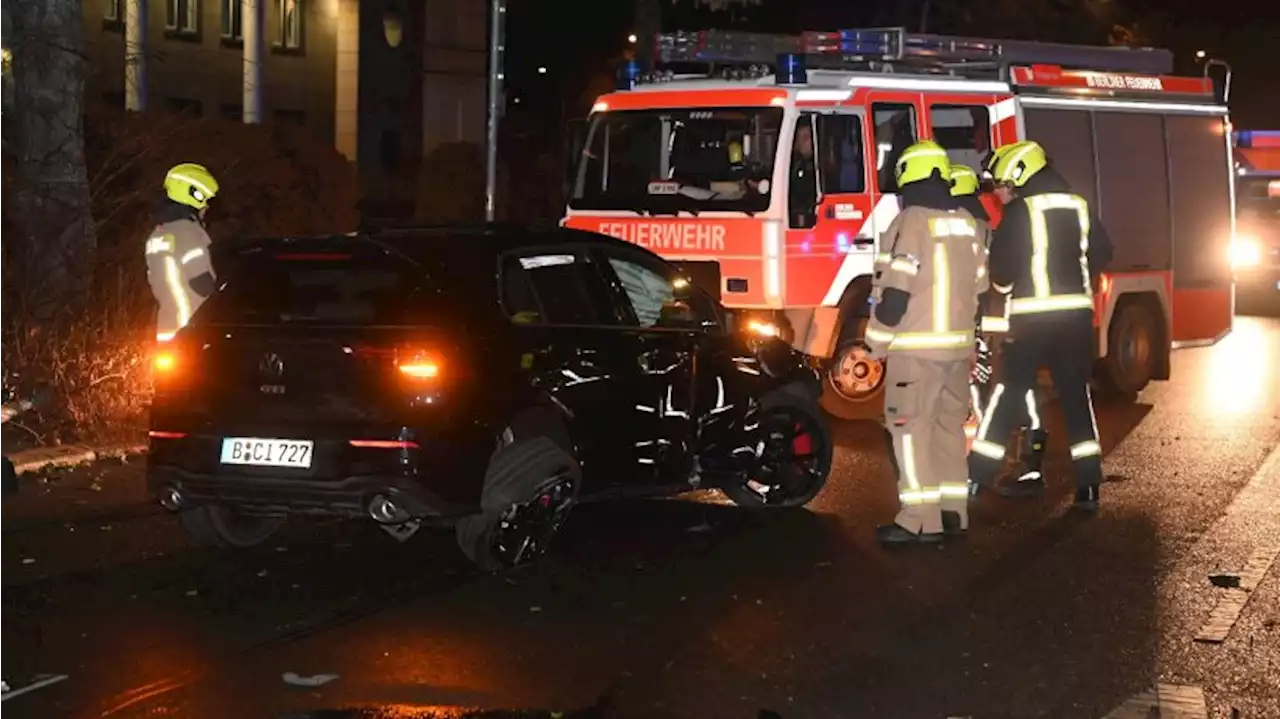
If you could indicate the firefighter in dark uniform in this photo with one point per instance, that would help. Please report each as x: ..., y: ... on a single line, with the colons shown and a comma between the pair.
x: 1044, y: 256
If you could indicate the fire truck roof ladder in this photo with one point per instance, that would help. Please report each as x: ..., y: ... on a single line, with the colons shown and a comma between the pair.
x: 895, y: 49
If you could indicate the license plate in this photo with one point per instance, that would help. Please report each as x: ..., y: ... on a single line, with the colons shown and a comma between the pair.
x: 260, y: 452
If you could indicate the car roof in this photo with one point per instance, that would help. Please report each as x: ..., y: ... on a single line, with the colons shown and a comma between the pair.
x: 425, y: 243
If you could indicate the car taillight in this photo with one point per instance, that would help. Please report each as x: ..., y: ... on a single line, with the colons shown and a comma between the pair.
x: 413, y: 366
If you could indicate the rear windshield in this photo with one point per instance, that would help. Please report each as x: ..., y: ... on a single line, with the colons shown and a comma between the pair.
x: 319, y: 288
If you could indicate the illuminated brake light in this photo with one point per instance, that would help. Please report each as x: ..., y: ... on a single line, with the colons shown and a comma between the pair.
x: 158, y: 434
x: 164, y: 362
x: 384, y: 444
x: 417, y: 364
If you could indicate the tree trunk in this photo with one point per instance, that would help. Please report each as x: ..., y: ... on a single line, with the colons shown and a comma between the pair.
x: 52, y: 201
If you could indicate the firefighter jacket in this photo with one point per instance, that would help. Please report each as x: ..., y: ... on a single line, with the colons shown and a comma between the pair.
x: 1048, y: 249
x: 179, y: 271
x: 927, y: 283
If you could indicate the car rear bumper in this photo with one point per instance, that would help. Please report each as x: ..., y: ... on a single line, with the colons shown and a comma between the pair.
x: 350, y: 497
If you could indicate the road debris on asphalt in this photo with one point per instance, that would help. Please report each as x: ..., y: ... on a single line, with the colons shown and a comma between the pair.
x: 39, y: 681
x: 1228, y: 581
x: 315, y: 680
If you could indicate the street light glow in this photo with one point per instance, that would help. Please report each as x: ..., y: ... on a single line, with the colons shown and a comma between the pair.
x: 1200, y: 54
x: 632, y: 38
x: 542, y: 70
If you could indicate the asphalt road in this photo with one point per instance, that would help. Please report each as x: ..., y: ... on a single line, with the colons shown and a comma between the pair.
x: 692, y: 608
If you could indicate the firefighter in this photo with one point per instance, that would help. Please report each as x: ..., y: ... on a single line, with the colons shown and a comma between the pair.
x: 179, y: 268
x: 965, y: 187
x: 1045, y: 255
x: 926, y: 287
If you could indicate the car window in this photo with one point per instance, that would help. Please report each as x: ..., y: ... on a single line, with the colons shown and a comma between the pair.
x: 651, y: 286
x: 555, y: 288
x: 321, y: 288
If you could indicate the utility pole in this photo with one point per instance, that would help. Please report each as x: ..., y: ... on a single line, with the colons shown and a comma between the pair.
x: 497, y: 38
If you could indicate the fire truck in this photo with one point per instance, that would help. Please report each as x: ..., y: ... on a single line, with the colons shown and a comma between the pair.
x: 1255, y: 254
x: 763, y: 165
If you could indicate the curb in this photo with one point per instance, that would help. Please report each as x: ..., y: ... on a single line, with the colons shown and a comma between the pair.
x: 70, y: 455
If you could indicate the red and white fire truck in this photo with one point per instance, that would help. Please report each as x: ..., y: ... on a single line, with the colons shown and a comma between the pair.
x: 763, y: 164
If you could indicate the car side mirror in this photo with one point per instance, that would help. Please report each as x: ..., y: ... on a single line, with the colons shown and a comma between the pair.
x: 677, y: 314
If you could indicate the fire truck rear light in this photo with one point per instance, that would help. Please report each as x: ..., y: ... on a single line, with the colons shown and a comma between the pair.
x: 159, y: 434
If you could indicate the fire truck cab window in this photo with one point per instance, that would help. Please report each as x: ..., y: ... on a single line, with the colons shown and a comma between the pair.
x: 840, y: 147
x: 667, y: 161
x: 895, y: 132
x: 802, y: 180
x: 964, y: 131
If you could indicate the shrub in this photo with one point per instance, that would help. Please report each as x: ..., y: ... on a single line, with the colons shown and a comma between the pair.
x: 451, y: 184
x: 94, y: 353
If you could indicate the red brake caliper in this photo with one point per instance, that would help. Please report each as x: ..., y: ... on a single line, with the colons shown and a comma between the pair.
x: 802, y: 444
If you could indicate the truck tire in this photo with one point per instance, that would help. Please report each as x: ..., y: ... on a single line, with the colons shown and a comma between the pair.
x: 215, y: 526
x: 812, y: 460
x: 1131, y: 350
x: 854, y: 383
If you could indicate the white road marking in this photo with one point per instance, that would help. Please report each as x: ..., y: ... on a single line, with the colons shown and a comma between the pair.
x: 1167, y: 701
x: 1231, y: 604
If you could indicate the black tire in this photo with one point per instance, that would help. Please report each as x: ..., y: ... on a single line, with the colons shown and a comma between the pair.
x: 215, y: 526
x: 794, y: 406
x: 520, y: 476
x: 1132, y: 343
x: 847, y: 373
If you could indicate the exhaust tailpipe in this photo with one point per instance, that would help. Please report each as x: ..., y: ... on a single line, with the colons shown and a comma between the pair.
x: 171, y: 499
x: 384, y: 511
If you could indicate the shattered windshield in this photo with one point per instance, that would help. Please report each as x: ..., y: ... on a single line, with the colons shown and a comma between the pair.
x: 683, y: 160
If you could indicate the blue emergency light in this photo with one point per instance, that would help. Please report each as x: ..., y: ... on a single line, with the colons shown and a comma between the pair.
x: 866, y: 42
x: 1257, y: 138
x: 629, y: 75
x: 791, y: 70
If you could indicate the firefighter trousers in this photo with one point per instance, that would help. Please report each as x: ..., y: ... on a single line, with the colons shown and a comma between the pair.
x: 926, y: 404
x: 1062, y: 341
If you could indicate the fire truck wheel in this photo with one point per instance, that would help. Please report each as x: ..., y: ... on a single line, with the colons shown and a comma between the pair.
x: 855, y: 383
x: 1131, y: 350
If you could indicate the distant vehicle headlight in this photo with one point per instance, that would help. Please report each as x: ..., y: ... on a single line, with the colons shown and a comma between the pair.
x: 1245, y: 252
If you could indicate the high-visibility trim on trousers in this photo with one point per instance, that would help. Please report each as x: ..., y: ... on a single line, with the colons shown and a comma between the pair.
x: 1088, y: 448
x: 1052, y: 303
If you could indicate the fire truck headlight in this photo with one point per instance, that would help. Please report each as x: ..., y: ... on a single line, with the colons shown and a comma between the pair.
x: 1245, y: 252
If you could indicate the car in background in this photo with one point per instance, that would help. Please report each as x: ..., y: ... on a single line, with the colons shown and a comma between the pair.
x: 483, y: 378
x: 1255, y: 252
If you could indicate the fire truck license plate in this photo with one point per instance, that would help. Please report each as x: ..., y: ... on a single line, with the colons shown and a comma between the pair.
x: 259, y: 452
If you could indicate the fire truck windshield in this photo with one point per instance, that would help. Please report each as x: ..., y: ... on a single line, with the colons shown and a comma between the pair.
x: 1258, y: 197
x: 684, y: 160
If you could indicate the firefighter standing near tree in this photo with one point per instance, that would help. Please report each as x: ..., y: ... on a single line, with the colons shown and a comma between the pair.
x: 1045, y: 254
x: 179, y: 268
x: 928, y: 279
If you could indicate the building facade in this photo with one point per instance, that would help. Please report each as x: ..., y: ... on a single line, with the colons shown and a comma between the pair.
x: 387, y: 81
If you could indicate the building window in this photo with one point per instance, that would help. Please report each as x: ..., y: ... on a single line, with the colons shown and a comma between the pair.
x: 289, y: 24
x: 232, y: 29
x: 111, y: 10
x: 182, y: 16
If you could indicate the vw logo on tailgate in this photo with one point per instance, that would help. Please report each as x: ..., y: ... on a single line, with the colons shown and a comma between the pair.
x: 271, y: 366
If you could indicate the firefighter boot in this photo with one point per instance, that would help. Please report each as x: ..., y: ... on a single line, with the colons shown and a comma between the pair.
x: 953, y: 525
x: 1030, y: 482
x: 1087, y: 498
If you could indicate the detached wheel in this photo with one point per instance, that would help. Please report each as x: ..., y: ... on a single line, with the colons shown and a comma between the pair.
x: 854, y: 387
x: 1131, y: 350
x: 495, y: 540
x: 216, y: 526
x: 795, y: 452
x: 530, y: 486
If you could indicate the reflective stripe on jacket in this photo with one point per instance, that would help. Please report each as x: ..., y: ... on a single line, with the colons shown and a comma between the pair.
x: 176, y: 253
x: 938, y: 258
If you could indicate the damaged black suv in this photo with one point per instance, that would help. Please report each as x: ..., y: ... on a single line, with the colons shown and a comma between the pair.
x: 483, y: 378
